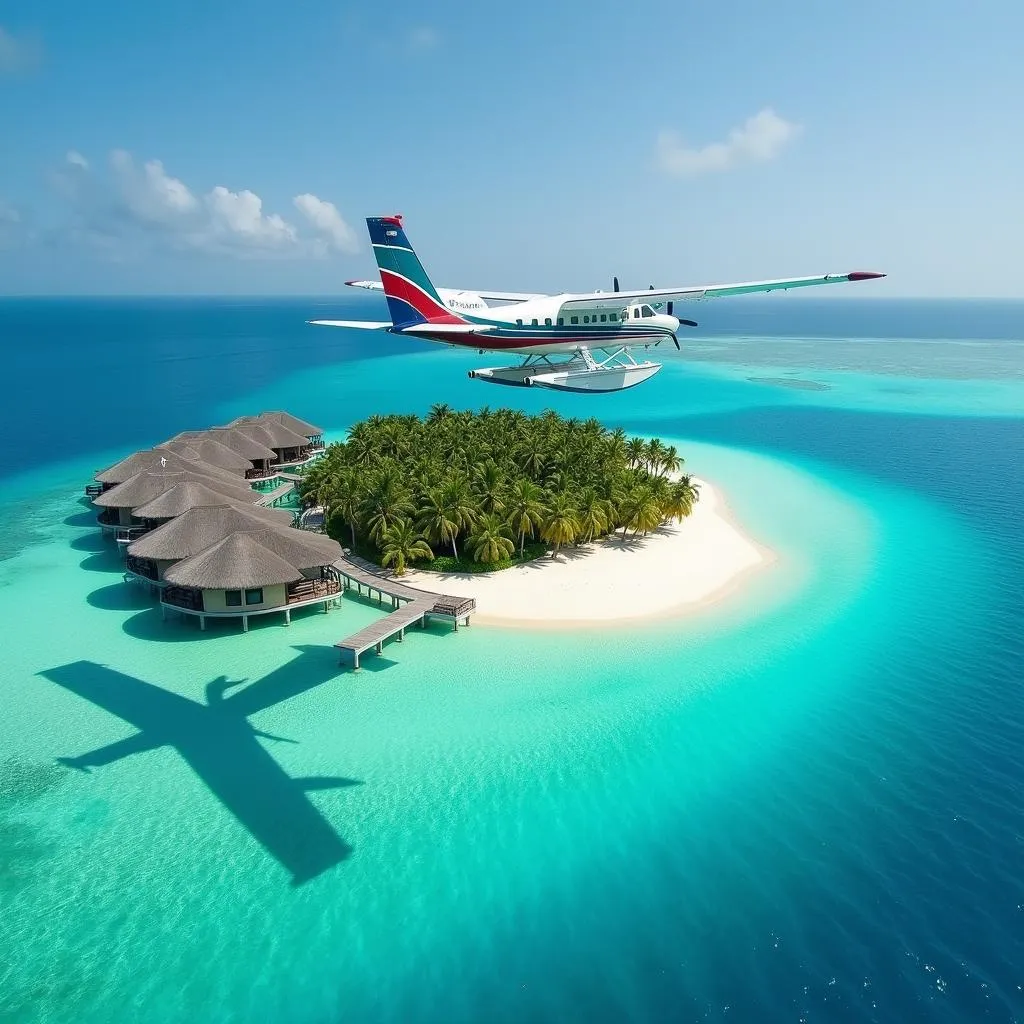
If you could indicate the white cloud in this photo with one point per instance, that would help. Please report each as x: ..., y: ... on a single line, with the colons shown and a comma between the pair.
x: 238, y: 218
x: 424, y: 38
x: 327, y: 222
x: 151, y: 195
x: 17, y: 55
x: 137, y: 206
x: 760, y: 139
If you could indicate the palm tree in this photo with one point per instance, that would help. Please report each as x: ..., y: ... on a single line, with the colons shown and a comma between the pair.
x: 438, y: 412
x: 436, y: 521
x: 533, y: 461
x: 561, y: 524
x: 682, y: 496
x: 525, y: 510
x: 459, y: 503
x: 386, y: 502
x: 401, y: 544
x: 636, y: 451
x: 641, y: 511
x: 670, y: 460
x: 491, y: 540
x: 593, y: 514
x: 344, y: 500
x: 490, y: 487
x: 653, y: 456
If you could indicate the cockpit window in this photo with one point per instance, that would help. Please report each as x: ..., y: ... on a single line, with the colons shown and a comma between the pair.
x: 646, y: 311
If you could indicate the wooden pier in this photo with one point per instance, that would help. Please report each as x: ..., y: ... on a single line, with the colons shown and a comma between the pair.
x: 278, y: 494
x: 421, y: 605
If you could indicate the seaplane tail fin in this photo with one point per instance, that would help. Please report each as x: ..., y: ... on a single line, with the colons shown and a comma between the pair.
x: 412, y: 297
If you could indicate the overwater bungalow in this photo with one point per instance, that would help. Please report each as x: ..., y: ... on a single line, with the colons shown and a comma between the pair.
x: 290, y: 448
x: 260, y: 456
x: 190, y: 494
x: 313, y: 434
x: 195, y: 530
x: 119, y: 502
x: 184, y: 459
x: 254, y: 573
x: 211, y: 452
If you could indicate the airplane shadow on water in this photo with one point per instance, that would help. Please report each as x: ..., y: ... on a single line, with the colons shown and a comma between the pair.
x: 223, y: 749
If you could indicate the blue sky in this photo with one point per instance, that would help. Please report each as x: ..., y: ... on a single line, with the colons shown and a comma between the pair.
x: 236, y: 148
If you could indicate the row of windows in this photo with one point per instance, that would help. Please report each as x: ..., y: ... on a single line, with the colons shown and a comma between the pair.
x: 233, y: 598
x: 587, y: 319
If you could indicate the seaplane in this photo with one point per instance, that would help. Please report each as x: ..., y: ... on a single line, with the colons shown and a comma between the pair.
x: 567, y: 342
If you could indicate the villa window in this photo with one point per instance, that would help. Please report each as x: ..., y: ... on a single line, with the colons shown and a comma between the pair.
x: 233, y: 598
x: 574, y: 319
x: 254, y: 596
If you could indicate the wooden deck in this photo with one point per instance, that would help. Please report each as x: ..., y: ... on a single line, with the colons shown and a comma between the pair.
x: 421, y: 605
x: 277, y: 494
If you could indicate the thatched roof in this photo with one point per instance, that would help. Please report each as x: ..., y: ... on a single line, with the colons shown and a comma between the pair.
x: 159, y: 459
x: 237, y: 562
x: 302, y: 549
x: 242, y: 443
x: 302, y: 427
x: 210, y: 451
x: 180, y: 498
x: 270, y: 432
x: 144, y: 487
x: 284, y: 419
x: 203, y: 526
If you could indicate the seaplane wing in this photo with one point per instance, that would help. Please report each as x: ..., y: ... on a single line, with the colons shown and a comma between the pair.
x: 487, y: 296
x: 711, y: 291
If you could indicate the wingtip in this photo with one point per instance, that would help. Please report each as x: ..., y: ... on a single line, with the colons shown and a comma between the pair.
x: 864, y: 275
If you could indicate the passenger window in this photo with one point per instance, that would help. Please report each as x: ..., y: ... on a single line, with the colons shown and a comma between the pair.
x: 613, y: 316
x: 561, y: 321
x: 533, y: 322
x: 574, y: 319
x: 519, y: 323
x: 603, y: 318
x: 547, y: 321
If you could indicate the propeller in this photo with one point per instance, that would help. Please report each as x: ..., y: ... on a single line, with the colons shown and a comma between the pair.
x: 682, y: 322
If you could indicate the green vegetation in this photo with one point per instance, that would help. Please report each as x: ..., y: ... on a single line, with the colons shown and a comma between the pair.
x: 492, y: 488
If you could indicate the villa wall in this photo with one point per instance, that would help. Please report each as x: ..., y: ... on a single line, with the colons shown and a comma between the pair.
x: 273, y: 597
x: 162, y: 565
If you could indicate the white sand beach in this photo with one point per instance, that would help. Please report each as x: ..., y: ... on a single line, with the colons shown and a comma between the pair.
x: 677, y: 569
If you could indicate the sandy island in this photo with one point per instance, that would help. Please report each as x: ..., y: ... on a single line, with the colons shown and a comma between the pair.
x: 677, y: 569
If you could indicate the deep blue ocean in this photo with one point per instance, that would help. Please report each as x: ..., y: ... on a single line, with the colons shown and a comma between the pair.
x: 806, y: 804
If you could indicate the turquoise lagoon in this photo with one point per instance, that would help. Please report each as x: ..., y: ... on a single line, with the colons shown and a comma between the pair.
x: 799, y: 804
